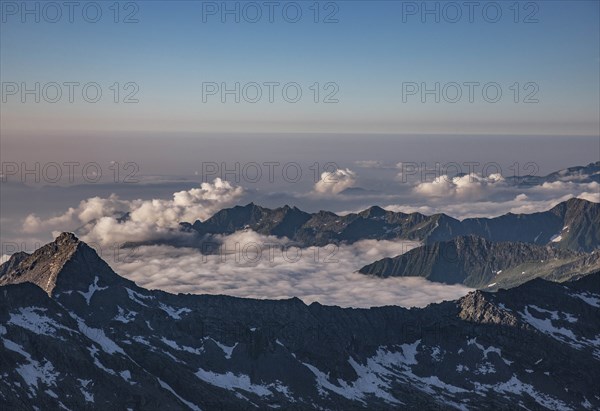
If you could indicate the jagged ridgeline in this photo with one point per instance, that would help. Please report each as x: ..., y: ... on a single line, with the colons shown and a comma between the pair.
x: 75, y: 335
x: 477, y: 262
x: 501, y: 252
x: 573, y: 225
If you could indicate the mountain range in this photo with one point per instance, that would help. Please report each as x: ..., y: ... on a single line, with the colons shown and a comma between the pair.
x: 497, y: 252
x: 477, y: 262
x: 75, y: 335
x: 573, y: 224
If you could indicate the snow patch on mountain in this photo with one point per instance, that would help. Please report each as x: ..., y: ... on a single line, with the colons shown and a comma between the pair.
x: 231, y: 381
x: 31, y: 319
x: 517, y: 387
x: 91, y: 290
x: 33, y: 372
x: 87, y: 395
x: 125, y: 317
x: 98, y: 336
x: 185, y: 348
x: 373, y: 377
x: 546, y: 326
x: 589, y: 298
x: 167, y: 387
x: 227, y: 350
x: 137, y: 297
x: 172, y: 312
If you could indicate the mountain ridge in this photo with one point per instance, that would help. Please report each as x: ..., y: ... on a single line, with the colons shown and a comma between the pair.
x: 42, y: 266
x: 477, y: 262
x: 103, y: 343
x: 573, y: 224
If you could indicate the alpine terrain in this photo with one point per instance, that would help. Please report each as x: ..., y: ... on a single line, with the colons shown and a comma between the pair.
x: 75, y: 335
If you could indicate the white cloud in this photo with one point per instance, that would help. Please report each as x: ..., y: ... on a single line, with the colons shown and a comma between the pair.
x: 97, y: 218
x: 470, y: 186
x: 594, y: 197
x: 335, y: 182
x: 324, y: 274
x: 479, y: 196
x: 34, y: 224
x: 566, y: 186
x: 520, y: 204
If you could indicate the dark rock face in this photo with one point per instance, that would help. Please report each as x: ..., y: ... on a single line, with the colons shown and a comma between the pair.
x: 574, y: 225
x: 320, y: 228
x: 476, y: 262
x: 97, y: 341
x: 581, y: 229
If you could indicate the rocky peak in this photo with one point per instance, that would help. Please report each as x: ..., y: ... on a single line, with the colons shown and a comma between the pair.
x: 479, y: 307
x: 66, y: 262
x: 66, y: 239
x: 572, y: 204
x: 372, y: 212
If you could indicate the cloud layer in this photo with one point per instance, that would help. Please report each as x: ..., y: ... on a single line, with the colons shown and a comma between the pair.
x: 256, y: 269
x: 327, y: 275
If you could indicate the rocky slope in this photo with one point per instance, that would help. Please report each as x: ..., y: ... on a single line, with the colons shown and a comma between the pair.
x: 15, y: 259
x: 573, y: 224
x: 66, y: 256
x: 476, y: 262
x: 86, y: 338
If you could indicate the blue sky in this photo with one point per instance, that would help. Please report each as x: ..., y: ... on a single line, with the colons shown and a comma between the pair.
x: 369, y: 53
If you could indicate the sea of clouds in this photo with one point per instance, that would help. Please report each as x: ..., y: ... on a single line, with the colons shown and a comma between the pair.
x: 256, y: 269
x: 326, y: 275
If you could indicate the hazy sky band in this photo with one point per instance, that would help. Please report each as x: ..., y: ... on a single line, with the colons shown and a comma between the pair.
x: 361, y: 66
